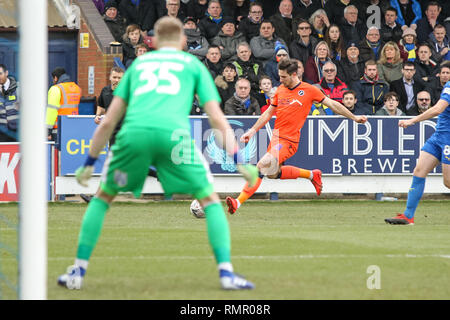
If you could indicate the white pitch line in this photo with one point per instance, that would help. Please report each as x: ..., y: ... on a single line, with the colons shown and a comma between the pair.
x: 283, y: 257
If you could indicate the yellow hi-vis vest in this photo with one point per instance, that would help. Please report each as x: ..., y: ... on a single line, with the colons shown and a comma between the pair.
x: 63, y: 99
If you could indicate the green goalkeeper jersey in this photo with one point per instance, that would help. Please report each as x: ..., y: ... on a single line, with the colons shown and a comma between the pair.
x: 159, y: 88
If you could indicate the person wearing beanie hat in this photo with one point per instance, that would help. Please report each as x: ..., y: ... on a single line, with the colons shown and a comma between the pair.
x: 271, y: 68
x: 228, y: 39
x: 407, y: 44
x: 115, y: 23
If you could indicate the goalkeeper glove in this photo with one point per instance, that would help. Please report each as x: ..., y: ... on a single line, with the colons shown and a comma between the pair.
x: 84, y: 173
x: 248, y: 171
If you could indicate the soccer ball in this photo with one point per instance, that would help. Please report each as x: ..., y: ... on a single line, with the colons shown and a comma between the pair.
x: 197, y: 210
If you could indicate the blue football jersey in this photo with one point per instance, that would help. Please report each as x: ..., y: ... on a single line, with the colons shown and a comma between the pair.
x: 443, y: 123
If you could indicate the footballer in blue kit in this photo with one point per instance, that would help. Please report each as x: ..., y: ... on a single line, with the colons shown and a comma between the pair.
x: 436, y: 150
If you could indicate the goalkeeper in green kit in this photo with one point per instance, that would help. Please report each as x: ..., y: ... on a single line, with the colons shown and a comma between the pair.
x: 156, y: 95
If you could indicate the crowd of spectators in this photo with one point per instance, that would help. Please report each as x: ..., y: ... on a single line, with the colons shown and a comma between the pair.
x: 373, y: 56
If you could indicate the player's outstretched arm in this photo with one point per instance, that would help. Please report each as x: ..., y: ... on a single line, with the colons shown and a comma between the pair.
x: 342, y: 110
x: 262, y: 120
x: 101, y: 135
x: 434, y: 111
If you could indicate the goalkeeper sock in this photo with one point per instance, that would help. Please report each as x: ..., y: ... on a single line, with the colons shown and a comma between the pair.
x: 91, y: 227
x: 291, y: 172
x: 218, y: 232
x: 247, y: 192
x: 414, y: 195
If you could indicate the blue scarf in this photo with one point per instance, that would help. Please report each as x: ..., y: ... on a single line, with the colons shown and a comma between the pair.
x: 245, y: 103
x: 216, y: 20
x: 135, y: 2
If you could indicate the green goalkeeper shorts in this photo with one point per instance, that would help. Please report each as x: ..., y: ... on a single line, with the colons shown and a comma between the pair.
x: 181, y: 168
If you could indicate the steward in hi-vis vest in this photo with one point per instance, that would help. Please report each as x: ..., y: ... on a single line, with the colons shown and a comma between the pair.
x: 63, y: 99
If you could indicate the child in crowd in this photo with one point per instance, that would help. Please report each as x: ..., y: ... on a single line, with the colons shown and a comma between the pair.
x: 266, y: 92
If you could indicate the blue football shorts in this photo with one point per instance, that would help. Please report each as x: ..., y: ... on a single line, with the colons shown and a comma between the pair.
x: 439, y: 146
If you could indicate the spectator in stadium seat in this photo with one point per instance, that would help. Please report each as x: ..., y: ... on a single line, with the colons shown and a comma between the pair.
x: 139, y: 50
x: 426, y: 68
x: 314, y: 65
x: 196, y: 44
x: 333, y: 37
x: 225, y: 83
x: 426, y: 24
x: 408, y: 12
x: 390, y: 107
x: 242, y: 103
x: 335, y: 9
x: 407, y: 88
x: 238, y: 9
x: 196, y: 9
x: 246, y: 65
x: 390, y: 30
x: 438, y: 82
x: 105, y: 98
x: 141, y: 13
x: 131, y: 39
x: 440, y: 44
x: 210, y: 24
x: 408, y: 45
x: 9, y: 104
x: 370, y: 90
x: 370, y: 47
x: 423, y: 101
x: 390, y: 63
x: 353, y: 29
x: 228, y: 39
x: 331, y: 85
x: 303, y: 47
x: 213, y: 61
x: 320, y: 23
x: 263, y: 46
x: 173, y: 10
x: 351, y: 67
x: 266, y: 91
x: 303, y: 9
x: 282, y: 21
x: 349, y: 100
x: 115, y: 23
x: 271, y: 68
x: 250, y: 25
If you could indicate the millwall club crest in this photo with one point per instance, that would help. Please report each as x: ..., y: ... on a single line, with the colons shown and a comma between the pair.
x: 301, y: 93
x: 221, y: 157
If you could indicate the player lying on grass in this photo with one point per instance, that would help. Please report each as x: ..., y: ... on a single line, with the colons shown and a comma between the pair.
x: 156, y: 95
x: 436, y: 150
x: 291, y: 105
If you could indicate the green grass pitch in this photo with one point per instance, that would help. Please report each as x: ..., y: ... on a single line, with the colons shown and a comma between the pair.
x: 317, y: 249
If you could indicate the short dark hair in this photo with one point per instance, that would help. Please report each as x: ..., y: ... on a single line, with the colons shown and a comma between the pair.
x: 288, y: 65
x: 391, y: 9
x: 433, y: 3
x: 58, y: 72
x: 266, y: 21
x: 301, y: 20
x: 117, y: 69
x: 390, y: 95
x: 408, y: 63
x: 213, y: 46
x: 349, y: 92
x: 264, y: 77
x: 2, y: 66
